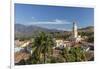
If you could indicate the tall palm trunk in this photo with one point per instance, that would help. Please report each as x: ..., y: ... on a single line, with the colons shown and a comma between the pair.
x: 44, y: 57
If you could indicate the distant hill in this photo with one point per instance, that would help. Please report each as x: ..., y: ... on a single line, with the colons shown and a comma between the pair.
x: 26, y: 31
x: 87, y: 29
x: 30, y: 30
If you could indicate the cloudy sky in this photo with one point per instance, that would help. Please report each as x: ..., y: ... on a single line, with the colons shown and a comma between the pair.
x: 53, y: 17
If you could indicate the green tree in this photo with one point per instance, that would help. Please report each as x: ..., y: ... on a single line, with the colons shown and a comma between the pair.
x: 43, y: 43
x: 75, y: 54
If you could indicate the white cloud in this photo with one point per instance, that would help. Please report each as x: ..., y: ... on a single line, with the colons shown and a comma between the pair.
x: 56, y: 21
x: 33, y: 17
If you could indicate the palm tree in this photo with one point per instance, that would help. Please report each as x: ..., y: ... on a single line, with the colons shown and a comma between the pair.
x: 43, y: 44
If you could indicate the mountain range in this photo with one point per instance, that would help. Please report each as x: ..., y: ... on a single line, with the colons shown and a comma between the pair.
x: 26, y: 31
x: 30, y: 30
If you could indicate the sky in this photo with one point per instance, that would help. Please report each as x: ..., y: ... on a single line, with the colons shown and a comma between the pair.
x: 53, y: 17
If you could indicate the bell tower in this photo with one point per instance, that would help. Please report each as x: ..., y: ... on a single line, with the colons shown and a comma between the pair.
x: 75, y: 33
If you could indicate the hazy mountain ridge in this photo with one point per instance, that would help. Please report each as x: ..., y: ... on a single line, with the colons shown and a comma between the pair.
x: 23, y: 30
x: 26, y: 31
x: 87, y: 29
